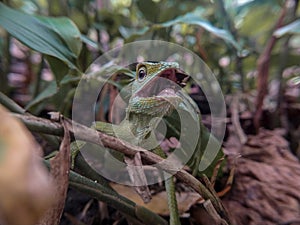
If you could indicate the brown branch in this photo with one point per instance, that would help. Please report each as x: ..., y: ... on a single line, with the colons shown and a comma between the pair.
x: 263, y: 64
x: 89, y: 135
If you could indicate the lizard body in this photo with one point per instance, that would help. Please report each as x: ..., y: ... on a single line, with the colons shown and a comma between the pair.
x: 155, y: 94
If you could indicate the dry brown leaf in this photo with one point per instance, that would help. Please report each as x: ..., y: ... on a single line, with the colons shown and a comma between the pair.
x: 25, y: 185
x: 60, y: 167
x: 266, y: 182
x: 159, y: 202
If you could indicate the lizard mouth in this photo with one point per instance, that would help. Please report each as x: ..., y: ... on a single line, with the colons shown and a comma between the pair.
x: 167, y: 83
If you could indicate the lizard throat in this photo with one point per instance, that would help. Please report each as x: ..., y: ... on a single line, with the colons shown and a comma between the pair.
x: 166, y: 83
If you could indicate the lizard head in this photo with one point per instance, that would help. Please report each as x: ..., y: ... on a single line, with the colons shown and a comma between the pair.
x: 158, y: 78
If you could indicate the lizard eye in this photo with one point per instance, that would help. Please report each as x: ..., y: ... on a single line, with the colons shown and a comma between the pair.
x: 142, y: 73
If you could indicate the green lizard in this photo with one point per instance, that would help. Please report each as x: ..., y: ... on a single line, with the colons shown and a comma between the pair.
x: 155, y: 94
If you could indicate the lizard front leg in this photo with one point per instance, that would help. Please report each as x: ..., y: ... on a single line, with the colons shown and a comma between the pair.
x: 134, y: 164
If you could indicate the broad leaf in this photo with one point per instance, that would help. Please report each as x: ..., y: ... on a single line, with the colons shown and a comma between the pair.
x: 67, y: 30
x: 193, y: 19
x: 292, y: 28
x: 58, y: 68
x: 48, y: 92
x: 37, y: 34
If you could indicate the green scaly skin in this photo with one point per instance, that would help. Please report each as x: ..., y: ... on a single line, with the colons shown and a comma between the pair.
x: 145, y: 110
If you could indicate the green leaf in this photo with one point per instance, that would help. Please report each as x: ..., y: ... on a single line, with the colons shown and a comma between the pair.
x: 191, y: 18
x: 58, y: 68
x: 256, y: 4
x: 67, y: 30
x: 194, y: 19
x: 145, y: 6
x: 108, y: 70
x: 132, y: 33
x: 36, y: 34
x: 111, y: 68
x: 48, y: 92
x: 85, y: 39
x: 69, y: 79
x: 292, y: 28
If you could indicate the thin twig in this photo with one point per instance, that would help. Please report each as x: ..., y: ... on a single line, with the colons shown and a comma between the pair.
x: 212, y: 212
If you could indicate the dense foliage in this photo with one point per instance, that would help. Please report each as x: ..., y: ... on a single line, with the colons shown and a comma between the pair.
x: 252, y: 46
